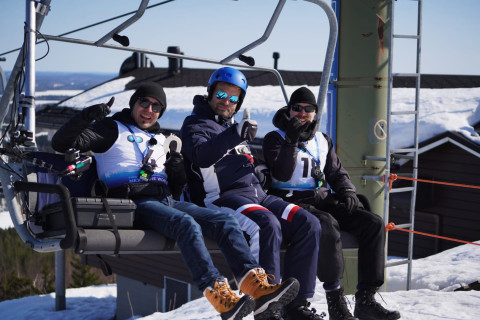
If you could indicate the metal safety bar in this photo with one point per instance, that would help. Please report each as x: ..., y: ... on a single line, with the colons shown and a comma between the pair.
x: 138, y: 14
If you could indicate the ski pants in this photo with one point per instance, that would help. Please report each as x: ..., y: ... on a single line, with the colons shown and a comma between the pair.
x: 280, y: 222
x: 368, y: 228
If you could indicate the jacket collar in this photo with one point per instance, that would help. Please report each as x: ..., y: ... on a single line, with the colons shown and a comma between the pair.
x: 202, y: 108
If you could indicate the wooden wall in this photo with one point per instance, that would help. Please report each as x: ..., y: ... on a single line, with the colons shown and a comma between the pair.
x: 443, y: 210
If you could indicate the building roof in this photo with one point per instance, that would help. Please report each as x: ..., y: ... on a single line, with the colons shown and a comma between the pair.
x: 199, y: 77
x: 454, y: 137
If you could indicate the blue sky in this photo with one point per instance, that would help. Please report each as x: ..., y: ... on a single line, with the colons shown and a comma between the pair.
x: 214, y: 29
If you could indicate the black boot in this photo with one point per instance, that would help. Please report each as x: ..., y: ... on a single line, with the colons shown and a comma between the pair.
x: 337, y: 306
x: 366, y: 308
x: 299, y: 310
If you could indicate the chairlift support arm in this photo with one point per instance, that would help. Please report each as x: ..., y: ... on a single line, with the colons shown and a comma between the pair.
x: 124, y: 25
x: 263, y: 38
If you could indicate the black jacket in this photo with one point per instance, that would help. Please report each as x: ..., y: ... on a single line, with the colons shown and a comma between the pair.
x: 99, y: 136
x: 281, y: 157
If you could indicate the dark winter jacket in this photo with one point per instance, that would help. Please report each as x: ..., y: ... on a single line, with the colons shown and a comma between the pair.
x: 217, y: 161
x: 281, y: 158
x: 99, y: 137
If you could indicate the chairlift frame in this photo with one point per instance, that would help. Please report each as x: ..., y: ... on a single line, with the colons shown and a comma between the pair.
x: 13, y: 170
x: 8, y: 179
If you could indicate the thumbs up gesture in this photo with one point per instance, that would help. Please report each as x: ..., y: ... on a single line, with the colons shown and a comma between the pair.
x: 247, y: 129
x: 98, y: 111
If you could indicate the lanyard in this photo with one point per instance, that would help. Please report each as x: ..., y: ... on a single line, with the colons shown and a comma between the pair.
x: 317, y: 160
x: 147, y: 152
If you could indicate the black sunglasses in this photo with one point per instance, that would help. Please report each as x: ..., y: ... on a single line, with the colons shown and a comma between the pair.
x: 145, y: 103
x: 307, y: 109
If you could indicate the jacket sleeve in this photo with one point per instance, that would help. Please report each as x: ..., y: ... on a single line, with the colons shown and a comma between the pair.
x: 84, y: 136
x: 204, y: 147
x: 280, y: 156
x: 335, y: 174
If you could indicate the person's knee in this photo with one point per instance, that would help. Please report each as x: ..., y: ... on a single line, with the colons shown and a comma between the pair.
x: 270, y: 229
x: 377, y: 221
x: 376, y: 225
x: 269, y: 222
x: 327, y: 221
x: 309, y: 223
x: 187, y: 223
x: 228, y: 222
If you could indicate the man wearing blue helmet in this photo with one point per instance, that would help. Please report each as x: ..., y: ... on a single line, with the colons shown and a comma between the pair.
x: 221, y: 174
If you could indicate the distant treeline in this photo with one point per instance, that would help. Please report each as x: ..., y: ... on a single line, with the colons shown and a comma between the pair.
x: 24, y: 272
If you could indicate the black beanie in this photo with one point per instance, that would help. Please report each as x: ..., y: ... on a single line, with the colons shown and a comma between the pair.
x: 302, y: 95
x: 152, y: 90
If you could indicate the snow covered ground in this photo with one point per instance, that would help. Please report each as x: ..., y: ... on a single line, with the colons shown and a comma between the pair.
x: 432, y: 297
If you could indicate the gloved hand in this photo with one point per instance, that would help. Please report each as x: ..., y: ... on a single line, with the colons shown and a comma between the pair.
x: 348, y: 198
x: 177, y: 179
x: 263, y: 174
x: 98, y: 111
x: 247, y: 129
x: 293, y: 129
x: 314, y: 200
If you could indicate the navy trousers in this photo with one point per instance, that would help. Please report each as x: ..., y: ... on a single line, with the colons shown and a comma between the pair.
x: 281, y: 222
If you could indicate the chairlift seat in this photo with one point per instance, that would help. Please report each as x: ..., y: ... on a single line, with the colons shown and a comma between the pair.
x: 98, y: 239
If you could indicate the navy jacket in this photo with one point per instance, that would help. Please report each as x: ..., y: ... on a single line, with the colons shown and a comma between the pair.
x: 217, y: 161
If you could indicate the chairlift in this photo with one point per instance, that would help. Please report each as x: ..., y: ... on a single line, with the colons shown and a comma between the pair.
x: 31, y: 178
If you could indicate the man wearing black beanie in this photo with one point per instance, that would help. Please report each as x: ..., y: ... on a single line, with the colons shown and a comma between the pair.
x: 302, y: 162
x: 134, y: 161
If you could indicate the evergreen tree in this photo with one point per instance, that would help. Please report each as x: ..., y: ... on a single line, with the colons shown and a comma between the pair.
x: 83, y: 275
x: 48, y: 278
x: 13, y: 287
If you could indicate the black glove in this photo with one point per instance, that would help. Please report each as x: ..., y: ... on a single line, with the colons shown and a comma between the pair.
x: 293, y: 129
x: 348, y: 199
x: 98, y: 111
x: 314, y: 200
x: 175, y: 171
x: 263, y: 174
x: 247, y: 129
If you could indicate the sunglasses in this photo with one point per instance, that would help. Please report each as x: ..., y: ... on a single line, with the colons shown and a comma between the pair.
x: 223, y: 95
x: 145, y: 103
x: 307, y: 109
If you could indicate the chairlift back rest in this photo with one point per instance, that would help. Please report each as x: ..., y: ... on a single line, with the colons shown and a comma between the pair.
x: 64, y: 207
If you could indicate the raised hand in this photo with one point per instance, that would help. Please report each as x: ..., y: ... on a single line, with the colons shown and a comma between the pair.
x: 98, y: 111
x: 294, y: 128
x: 247, y: 129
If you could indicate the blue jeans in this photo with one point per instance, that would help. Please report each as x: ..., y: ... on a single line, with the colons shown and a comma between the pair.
x: 186, y: 223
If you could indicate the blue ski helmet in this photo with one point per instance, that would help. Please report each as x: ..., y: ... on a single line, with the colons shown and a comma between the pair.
x: 229, y: 75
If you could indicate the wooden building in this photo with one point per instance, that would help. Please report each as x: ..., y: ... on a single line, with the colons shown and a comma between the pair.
x: 444, y: 210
